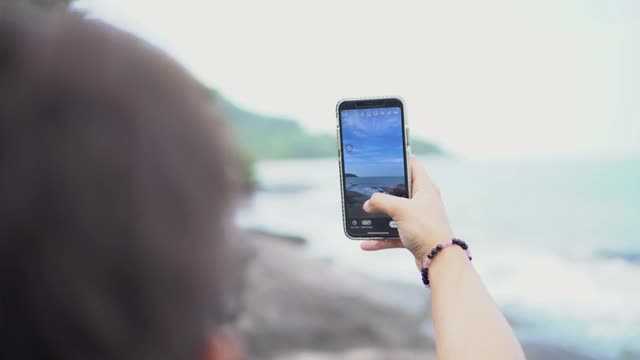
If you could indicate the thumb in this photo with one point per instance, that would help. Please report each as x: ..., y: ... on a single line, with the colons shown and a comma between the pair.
x: 384, y: 203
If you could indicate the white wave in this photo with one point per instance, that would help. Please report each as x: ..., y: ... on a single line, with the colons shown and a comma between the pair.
x: 363, y: 189
x: 578, y: 301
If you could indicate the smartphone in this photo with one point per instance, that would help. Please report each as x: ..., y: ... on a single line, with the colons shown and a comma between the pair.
x: 374, y: 154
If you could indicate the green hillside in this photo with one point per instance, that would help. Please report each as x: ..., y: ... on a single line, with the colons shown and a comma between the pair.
x: 265, y: 137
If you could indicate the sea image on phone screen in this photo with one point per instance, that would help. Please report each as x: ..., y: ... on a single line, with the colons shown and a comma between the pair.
x: 373, y: 148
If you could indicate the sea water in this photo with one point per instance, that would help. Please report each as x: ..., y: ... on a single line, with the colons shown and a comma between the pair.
x: 557, y: 242
x: 372, y: 184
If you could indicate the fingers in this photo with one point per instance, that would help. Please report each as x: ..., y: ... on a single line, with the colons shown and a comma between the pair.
x: 374, y: 245
x: 419, y: 176
x: 384, y: 203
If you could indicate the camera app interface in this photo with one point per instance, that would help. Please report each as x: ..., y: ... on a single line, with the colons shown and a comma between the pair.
x: 374, y: 161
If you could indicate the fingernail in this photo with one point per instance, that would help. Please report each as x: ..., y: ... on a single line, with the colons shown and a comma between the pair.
x: 365, y: 206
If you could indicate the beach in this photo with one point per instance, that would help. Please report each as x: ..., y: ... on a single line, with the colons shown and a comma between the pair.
x: 293, y: 306
x: 555, y: 241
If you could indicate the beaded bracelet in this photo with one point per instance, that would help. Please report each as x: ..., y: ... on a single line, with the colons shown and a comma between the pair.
x: 436, y: 250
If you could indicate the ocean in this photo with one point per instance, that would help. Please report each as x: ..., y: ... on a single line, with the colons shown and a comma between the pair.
x: 370, y: 185
x: 557, y: 242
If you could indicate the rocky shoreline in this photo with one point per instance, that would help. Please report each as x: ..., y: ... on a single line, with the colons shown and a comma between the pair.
x: 293, y: 307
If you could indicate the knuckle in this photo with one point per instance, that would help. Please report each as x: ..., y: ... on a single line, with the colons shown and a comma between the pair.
x: 376, y: 198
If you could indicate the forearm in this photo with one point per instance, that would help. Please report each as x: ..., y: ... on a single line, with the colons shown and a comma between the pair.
x: 468, y: 323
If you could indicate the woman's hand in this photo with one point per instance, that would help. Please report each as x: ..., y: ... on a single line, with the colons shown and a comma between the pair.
x: 461, y: 306
x: 422, y: 220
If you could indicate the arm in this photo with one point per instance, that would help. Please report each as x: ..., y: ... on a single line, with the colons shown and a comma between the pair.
x: 468, y: 323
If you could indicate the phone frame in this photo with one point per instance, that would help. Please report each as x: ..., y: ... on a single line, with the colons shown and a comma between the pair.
x: 392, y: 101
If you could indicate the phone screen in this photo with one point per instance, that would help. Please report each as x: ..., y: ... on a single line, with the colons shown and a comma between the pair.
x: 373, y: 160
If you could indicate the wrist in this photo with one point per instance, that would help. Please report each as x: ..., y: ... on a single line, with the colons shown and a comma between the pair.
x: 451, y: 255
x: 446, y: 249
x: 428, y: 244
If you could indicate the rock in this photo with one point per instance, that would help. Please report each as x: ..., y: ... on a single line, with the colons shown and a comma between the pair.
x: 296, y: 304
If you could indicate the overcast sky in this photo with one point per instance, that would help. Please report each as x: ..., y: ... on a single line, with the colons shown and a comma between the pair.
x: 492, y: 78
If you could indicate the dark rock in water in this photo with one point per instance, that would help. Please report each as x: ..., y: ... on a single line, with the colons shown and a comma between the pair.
x: 398, y: 190
x: 550, y: 352
x: 347, y: 175
x: 291, y: 239
x: 284, y: 188
x: 354, y: 197
x: 632, y: 257
x: 293, y: 303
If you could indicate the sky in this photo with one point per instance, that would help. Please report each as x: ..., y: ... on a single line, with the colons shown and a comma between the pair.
x: 483, y: 79
x: 372, y: 142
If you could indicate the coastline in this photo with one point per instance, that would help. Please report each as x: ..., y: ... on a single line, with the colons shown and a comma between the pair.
x: 295, y: 307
